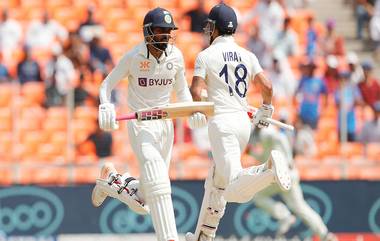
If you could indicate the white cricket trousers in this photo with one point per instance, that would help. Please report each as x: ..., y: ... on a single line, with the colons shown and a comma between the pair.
x: 229, y: 134
x: 152, y: 143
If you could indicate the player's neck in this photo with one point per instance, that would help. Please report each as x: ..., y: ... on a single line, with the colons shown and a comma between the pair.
x: 155, y: 52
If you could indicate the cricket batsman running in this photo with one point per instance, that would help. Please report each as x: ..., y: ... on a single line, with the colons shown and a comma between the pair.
x: 227, y: 69
x: 154, y: 69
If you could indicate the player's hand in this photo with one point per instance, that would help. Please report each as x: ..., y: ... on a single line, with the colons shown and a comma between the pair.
x: 264, y: 112
x: 197, y: 120
x: 107, y: 117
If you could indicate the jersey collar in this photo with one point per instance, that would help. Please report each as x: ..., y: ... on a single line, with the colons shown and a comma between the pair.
x: 223, y: 39
x: 143, y: 50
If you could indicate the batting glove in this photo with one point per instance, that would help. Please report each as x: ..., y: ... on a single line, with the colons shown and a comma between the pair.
x: 107, y: 117
x: 197, y: 120
x: 264, y: 112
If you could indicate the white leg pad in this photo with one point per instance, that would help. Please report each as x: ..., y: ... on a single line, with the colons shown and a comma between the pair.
x: 212, y: 210
x: 130, y: 199
x: 157, y: 190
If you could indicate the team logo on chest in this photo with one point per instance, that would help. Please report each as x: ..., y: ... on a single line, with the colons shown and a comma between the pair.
x: 169, y: 66
x: 144, y: 65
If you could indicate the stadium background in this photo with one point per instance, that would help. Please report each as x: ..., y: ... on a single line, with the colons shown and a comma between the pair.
x: 48, y: 164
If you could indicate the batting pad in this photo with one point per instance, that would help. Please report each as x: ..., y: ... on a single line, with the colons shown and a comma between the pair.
x: 212, y: 209
x: 156, y: 185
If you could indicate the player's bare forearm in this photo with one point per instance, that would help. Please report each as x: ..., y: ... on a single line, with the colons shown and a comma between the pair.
x: 266, y: 88
x: 196, y: 88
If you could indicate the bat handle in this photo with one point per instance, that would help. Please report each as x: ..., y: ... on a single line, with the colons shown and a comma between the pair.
x: 280, y: 124
x: 130, y: 116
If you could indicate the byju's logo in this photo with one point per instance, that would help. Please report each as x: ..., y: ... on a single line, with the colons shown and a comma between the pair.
x: 143, y: 82
x: 30, y: 210
x: 117, y: 218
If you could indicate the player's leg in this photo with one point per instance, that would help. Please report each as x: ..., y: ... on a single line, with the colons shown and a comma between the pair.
x: 123, y: 187
x: 275, y: 209
x: 212, y: 210
x: 226, y: 153
x: 147, y: 145
x: 254, y: 179
x: 295, y: 201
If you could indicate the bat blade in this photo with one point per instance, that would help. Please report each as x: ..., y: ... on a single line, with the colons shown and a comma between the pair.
x: 172, y: 111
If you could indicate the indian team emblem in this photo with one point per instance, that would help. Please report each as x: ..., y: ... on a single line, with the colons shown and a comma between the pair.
x: 169, y: 66
x: 168, y: 18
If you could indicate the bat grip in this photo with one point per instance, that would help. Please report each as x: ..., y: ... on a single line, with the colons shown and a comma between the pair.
x: 130, y: 116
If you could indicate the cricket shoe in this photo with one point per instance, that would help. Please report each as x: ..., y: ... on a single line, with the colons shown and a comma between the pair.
x: 280, y: 168
x: 285, y: 224
x: 202, y: 237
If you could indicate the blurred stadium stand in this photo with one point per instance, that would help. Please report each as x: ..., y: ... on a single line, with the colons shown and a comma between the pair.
x: 42, y: 145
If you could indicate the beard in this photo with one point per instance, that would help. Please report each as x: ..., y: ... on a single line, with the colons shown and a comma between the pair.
x: 161, y: 46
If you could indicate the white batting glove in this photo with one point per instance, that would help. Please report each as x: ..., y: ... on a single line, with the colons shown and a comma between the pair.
x: 107, y: 117
x: 197, y: 120
x: 265, y: 111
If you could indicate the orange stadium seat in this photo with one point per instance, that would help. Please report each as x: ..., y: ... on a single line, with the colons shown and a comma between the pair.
x: 170, y: 5
x: 43, y: 174
x: 373, y: 151
x: 133, y: 4
x: 86, y: 174
x: 86, y: 159
x: 5, y: 119
x: 55, y: 124
x: 33, y: 124
x: 32, y: 3
x: 186, y: 5
x: 111, y: 3
x: 86, y: 113
x: 33, y: 92
x: 6, y: 139
x: 242, y: 5
x: 6, y: 175
x: 49, y: 151
x: 369, y: 172
x: 55, y: 4
x: 5, y: 95
x: 318, y: 172
x: 351, y: 149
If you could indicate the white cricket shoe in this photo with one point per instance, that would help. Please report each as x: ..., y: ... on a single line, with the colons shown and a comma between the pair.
x: 280, y: 170
x: 202, y: 237
x: 330, y: 237
x: 285, y: 224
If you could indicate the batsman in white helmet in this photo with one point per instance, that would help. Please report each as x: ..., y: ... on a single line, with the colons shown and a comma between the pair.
x: 154, y: 69
x: 227, y: 69
x: 272, y: 139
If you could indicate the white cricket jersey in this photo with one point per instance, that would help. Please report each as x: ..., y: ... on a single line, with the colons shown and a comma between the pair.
x: 150, y: 81
x: 227, y: 70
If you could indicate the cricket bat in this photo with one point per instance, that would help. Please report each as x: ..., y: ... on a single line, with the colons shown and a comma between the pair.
x: 252, y: 111
x: 170, y: 111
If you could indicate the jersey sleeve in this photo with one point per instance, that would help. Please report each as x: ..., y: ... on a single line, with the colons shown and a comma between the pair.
x: 200, y: 66
x: 119, y: 72
x: 256, y: 67
x: 180, y: 85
